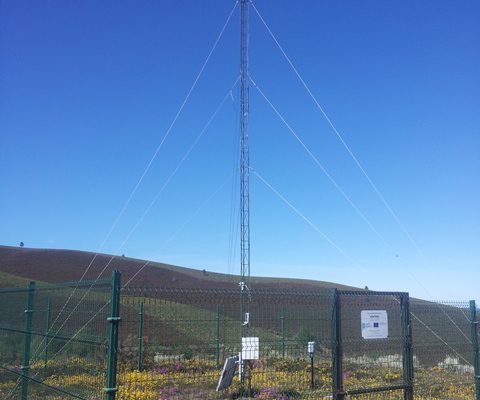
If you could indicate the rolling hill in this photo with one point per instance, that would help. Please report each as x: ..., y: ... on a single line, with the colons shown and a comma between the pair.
x: 19, y: 265
x: 439, y: 330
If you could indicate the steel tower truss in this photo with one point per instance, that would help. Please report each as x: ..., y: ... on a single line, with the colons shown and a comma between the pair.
x: 244, y: 165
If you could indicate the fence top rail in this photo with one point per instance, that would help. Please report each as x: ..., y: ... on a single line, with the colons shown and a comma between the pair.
x: 132, y: 290
x: 371, y: 293
x: 101, y: 283
x: 452, y: 303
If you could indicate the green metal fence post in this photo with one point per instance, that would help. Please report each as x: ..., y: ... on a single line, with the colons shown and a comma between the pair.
x: 114, y: 320
x: 47, y: 331
x: 337, y: 364
x: 407, y: 347
x: 217, y: 335
x: 282, y: 329
x: 140, y: 337
x: 476, y: 362
x: 27, y: 340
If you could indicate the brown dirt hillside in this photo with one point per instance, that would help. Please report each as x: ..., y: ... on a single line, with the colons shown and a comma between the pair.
x: 52, y: 265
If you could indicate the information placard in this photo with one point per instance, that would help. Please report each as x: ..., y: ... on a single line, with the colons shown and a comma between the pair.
x: 374, y: 324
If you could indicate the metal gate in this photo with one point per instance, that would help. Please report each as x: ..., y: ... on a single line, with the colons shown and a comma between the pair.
x: 372, y: 345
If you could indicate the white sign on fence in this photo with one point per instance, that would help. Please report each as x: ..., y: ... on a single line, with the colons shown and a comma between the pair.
x: 250, y: 348
x: 374, y: 324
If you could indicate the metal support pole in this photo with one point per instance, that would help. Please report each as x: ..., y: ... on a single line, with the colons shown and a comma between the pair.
x: 476, y: 362
x: 114, y: 320
x: 140, y: 337
x: 217, y: 335
x: 337, y: 364
x: 47, y: 331
x: 27, y: 340
x: 312, y: 383
x: 407, y: 347
x: 282, y: 330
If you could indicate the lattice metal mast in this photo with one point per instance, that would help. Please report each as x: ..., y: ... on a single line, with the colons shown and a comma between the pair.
x: 244, y: 159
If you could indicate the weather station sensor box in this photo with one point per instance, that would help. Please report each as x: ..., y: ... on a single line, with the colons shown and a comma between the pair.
x: 250, y: 348
x: 374, y: 324
x: 311, y: 347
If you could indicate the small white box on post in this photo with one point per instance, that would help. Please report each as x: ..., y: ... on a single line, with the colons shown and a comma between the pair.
x: 311, y: 348
x: 250, y: 348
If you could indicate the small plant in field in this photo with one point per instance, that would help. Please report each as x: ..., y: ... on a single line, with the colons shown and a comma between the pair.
x: 168, y: 392
x: 304, y: 336
x: 272, y: 393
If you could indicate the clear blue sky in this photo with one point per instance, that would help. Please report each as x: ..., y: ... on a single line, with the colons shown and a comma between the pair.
x: 89, y: 89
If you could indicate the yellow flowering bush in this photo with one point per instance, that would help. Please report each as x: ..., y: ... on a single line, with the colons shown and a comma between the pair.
x: 272, y: 379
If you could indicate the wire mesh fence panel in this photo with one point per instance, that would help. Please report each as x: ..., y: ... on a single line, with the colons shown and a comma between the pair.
x: 53, y: 341
x: 443, y: 350
x: 285, y: 322
x: 175, y: 342
x: 373, y: 339
x: 37, y: 390
x: 165, y: 344
x: 11, y: 339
